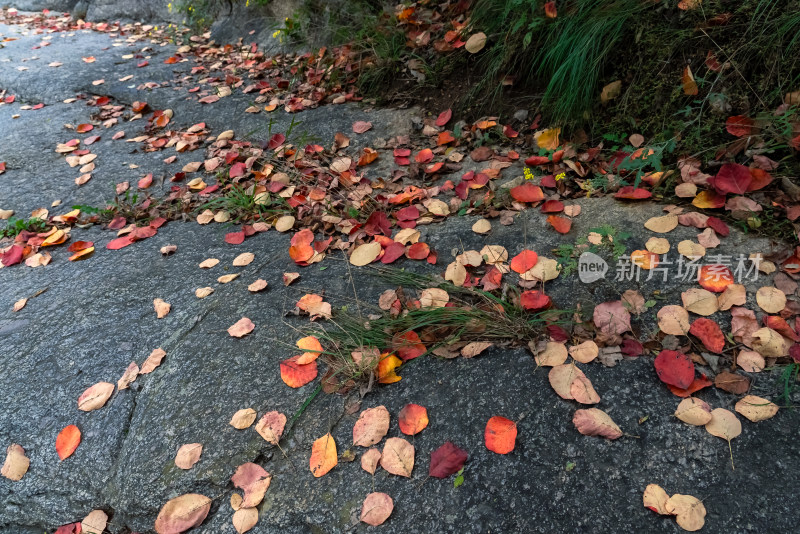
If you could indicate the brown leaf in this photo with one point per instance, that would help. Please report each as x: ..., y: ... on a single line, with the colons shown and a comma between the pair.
x: 585, y: 352
x: 655, y: 498
x: 245, y: 519
x: 732, y: 383
x: 254, y: 480
x: 689, y: 511
x: 94, y: 523
x: 128, y: 376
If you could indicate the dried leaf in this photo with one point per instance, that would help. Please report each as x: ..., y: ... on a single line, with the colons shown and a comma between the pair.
x: 241, y: 328
x: 371, y: 427
x: 398, y: 457
x: 376, y: 509
x: 94, y: 523
x: 162, y: 308
x: 254, y: 480
x: 243, y: 418
x: 188, y: 455
x: 370, y: 459
x: 365, y: 254
x: 16, y: 463
x: 595, y: 422
x: 270, y: 426
x: 152, y: 361
x: 585, y: 352
x: 246, y: 258
x: 182, y: 513
x: 95, y: 397
x: 245, y: 519
x: 693, y: 411
x: 756, y: 408
x: 655, y: 498
x: 689, y: 511
x: 673, y: 320
x: 771, y: 299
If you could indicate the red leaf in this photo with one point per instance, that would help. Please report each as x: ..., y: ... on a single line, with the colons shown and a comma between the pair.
x: 276, y: 140
x: 424, y: 156
x: 709, y: 333
x: 117, y: 223
x: 674, y: 368
x: 550, y: 10
x: 761, y: 179
x: 534, y: 301
x: 72, y: 528
x: 630, y: 193
x: 718, y: 226
x: 120, y: 242
x: 527, y: 192
x: 408, y: 345
x: 739, y: 125
x: 552, y: 206
x: 145, y: 182
x: 733, y: 178
x: 296, y: 375
x: 561, y: 224
x: 12, y: 256
x: 393, y: 252
x: 536, y: 160
x: 446, y: 460
x: 444, y: 117
x: 237, y: 170
x: 235, y: 238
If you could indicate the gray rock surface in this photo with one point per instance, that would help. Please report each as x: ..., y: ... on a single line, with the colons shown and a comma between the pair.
x: 97, y: 316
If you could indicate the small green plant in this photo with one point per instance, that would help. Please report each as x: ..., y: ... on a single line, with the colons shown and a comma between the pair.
x: 14, y: 226
x: 245, y: 205
x: 459, y: 478
x: 788, y: 382
x: 611, y: 241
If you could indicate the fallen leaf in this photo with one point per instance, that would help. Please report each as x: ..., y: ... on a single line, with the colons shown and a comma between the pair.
x: 94, y: 523
x: 673, y: 320
x: 693, y: 411
x: 208, y: 263
x: 733, y: 295
x: 67, y: 441
x: 475, y: 43
x: 585, y: 352
x: 376, y: 509
x: 553, y: 354
x: 446, y: 460
x: 130, y: 374
x: 689, y: 511
x: 162, y: 308
x: 241, y: 328
x: 655, y: 498
x: 188, y: 455
x: 365, y: 254
x: 595, y: 422
x: 412, y: 419
x: 243, y: 259
x: 371, y: 427
x: 226, y: 278
x: 152, y: 361
x: 709, y: 333
x: 674, y: 368
x: 482, y: 226
x: 257, y: 286
x: 612, y: 317
x: 725, y: 425
x: 296, y: 375
x: 182, y: 513
x: 254, y: 480
x: 16, y: 463
x: 771, y: 299
x: 95, y: 397
x: 756, y: 408
x: 243, y: 418
x: 732, y: 382
x: 663, y: 224
x: 500, y: 435
x: 244, y: 519
x: 750, y: 361
x: 270, y: 426
x: 398, y: 457
x: 323, y: 455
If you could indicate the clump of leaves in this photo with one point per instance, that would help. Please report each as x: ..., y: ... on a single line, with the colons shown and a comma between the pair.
x: 15, y: 226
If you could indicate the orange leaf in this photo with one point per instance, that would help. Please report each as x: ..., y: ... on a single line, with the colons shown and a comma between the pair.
x: 83, y: 128
x: 424, y: 156
x: 715, y: 277
x: 296, y: 375
x: 323, y: 456
x: 67, y: 441
x: 412, y: 419
x: 524, y: 261
x: 444, y: 138
x: 312, y: 348
x: 561, y: 224
x: 386, y: 369
x: 689, y: 85
x: 500, y: 435
x: 550, y: 10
